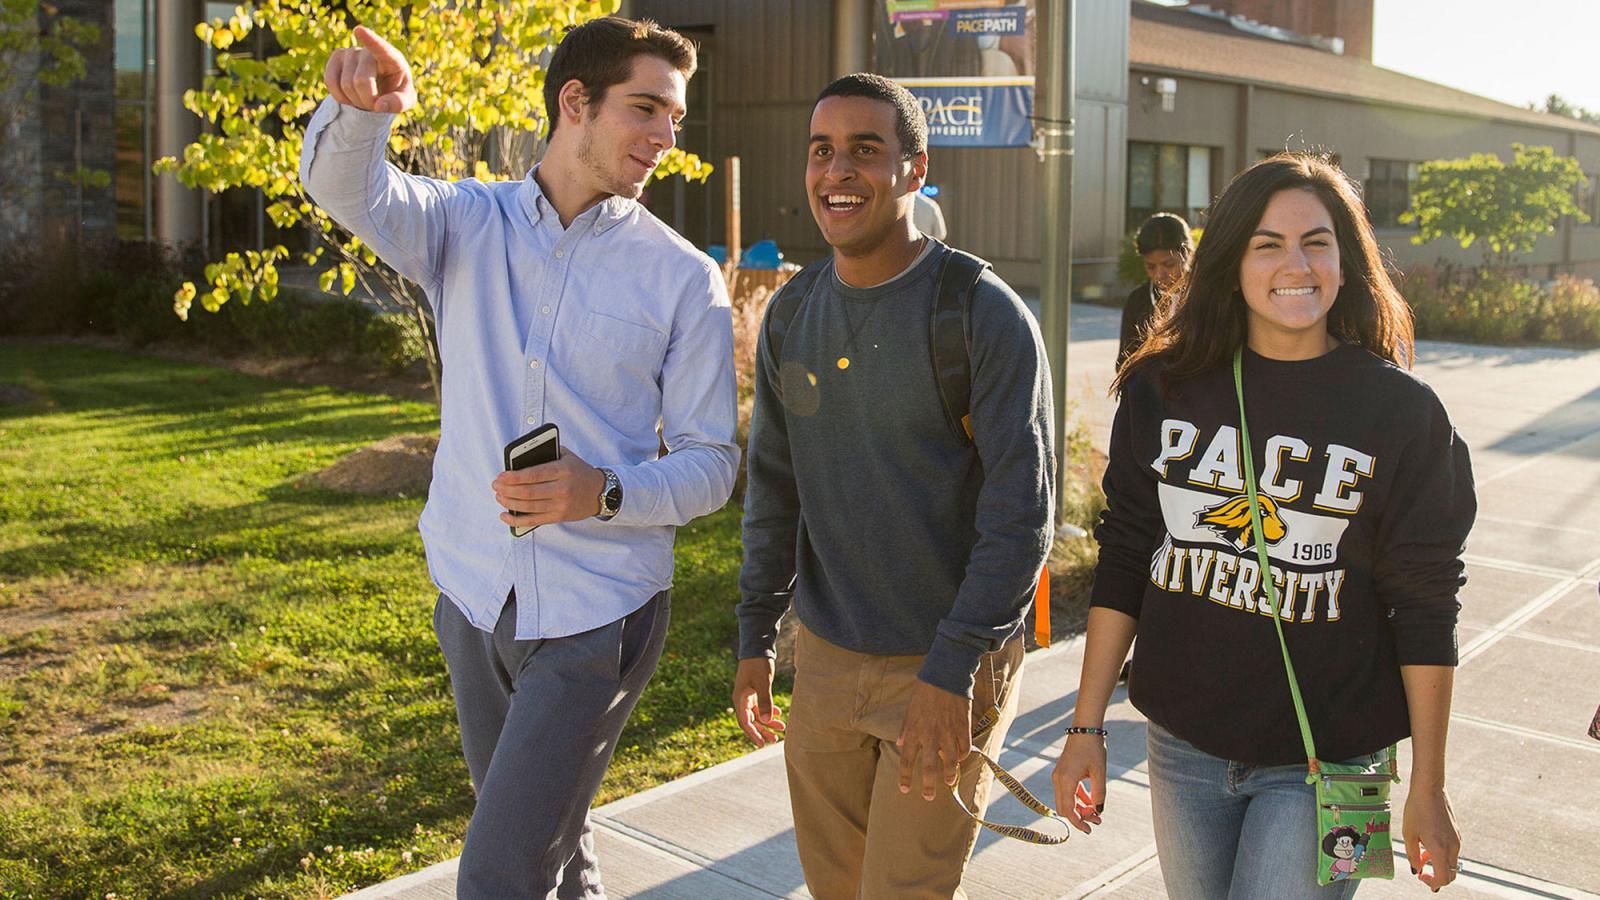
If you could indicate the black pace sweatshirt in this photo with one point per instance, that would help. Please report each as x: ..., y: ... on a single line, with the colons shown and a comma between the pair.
x: 1367, y: 500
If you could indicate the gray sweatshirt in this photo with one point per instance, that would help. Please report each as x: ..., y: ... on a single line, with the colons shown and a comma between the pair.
x: 889, y: 535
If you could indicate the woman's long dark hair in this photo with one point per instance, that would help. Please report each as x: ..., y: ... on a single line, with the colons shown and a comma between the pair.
x: 1201, y: 322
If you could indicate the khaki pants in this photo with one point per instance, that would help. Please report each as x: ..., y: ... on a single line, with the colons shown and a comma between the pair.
x: 858, y: 836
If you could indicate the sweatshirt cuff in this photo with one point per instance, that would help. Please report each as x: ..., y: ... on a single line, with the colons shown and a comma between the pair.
x: 758, y: 628
x: 1123, y: 593
x: 950, y: 665
x: 1430, y: 644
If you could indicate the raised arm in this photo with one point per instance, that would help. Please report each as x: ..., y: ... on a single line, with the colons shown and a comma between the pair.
x: 344, y: 170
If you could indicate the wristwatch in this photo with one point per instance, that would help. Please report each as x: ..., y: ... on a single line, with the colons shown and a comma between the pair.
x: 610, y: 496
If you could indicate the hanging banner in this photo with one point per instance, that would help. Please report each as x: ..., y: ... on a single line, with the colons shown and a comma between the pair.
x: 970, y: 63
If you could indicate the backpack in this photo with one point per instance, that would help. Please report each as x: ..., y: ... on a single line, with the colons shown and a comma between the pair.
x: 949, y: 344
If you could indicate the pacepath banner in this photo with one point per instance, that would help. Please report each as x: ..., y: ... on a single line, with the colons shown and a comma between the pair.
x: 970, y: 64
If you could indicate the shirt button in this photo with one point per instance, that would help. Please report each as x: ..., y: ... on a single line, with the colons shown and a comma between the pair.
x: 545, y: 310
x: 533, y: 364
x: 560, y: 253
x: 598, y: 229
x: 529, y: 420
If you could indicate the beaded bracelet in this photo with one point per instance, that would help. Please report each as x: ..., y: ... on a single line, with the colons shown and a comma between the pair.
x: 1080, y: 729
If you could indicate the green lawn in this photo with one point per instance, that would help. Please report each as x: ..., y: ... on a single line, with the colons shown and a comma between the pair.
x: 216, y: 683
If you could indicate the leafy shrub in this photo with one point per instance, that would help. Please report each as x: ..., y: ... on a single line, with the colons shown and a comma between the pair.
x: 297, y: 324
x: 1130, y: 266
x: 39, y: 292
x: 394, y: 341
x: 140, y: 311
x: 1496, y: 307
x: 125, y: 290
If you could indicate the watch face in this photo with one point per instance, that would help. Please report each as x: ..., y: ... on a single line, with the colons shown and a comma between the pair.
x: 611, y: 500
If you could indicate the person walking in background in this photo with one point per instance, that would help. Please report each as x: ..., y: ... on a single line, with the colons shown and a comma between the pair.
x: 1164, y: 244
x: 927, y: 217
x: 1367, y: 498
x: 908, y: 551
x: 551, y: 637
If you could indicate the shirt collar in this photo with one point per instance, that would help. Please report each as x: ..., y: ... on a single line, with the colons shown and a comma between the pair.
x: 603, y: 216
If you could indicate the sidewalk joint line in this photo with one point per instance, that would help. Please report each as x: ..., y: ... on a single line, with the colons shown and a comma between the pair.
x: 1535, y: 458
x: 676, y: 852
x: 1554, y: 641
x: 1518, y: 566
x: 1516, y: 884
x: 1523, y: 615
x: 1589, y: 746
x: 1118, y: 874
x: 1529, y: 523
x: 668, y: 788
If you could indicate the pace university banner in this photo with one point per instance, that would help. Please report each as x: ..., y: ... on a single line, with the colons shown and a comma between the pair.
x: 970, y: 64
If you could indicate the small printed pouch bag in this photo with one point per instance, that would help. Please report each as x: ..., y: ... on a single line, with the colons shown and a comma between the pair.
x: 1353, y: 813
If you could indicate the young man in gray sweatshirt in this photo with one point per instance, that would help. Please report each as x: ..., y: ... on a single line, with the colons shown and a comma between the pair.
x: 908, y: 555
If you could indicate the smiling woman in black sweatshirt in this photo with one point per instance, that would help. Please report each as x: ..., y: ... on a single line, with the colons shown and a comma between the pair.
x: 1367, y: 498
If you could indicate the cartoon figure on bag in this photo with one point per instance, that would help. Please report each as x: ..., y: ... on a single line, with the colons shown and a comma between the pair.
x: 1346, y: 846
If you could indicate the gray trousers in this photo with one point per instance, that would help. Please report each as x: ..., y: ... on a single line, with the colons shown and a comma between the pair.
x: 539, y: 721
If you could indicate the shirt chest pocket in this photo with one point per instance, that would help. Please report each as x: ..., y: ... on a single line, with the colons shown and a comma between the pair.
x: 615, y: 361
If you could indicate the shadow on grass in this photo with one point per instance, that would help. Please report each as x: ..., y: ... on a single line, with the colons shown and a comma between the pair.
x: 292, y: 523
x: 135, y: 398
x: 349, y: 697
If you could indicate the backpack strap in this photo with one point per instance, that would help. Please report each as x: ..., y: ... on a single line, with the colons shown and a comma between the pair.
x: 950, y: 338
x: 784, y: 306
x: 950, y: 344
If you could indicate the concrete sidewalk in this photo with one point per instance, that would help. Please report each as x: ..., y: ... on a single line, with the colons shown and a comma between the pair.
x: 1524, y: 778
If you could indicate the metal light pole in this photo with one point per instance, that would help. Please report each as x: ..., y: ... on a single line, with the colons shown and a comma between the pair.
x: 1055, y: 133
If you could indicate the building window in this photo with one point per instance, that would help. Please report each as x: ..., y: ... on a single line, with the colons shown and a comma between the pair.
x: 1171, y: 178
x: 1331, y: 158
x: 1589, y: 199
x: 1388, y: 190
x: 135, y: 52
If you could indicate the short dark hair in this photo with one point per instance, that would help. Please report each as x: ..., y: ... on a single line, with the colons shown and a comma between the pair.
x: 600, y: 53
x: 910, y: 125
x: 1164, y: 231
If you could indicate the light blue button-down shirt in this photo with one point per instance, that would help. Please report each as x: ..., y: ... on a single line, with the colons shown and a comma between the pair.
x: 607, y: 327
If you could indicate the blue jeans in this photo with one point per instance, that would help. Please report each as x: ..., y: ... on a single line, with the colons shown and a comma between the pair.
x: 1230, y: 830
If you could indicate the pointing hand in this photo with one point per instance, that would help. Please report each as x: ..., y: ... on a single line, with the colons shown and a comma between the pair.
x: 373, y: 77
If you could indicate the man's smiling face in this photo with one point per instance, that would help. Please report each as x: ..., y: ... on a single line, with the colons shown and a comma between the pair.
x: 858, y: 181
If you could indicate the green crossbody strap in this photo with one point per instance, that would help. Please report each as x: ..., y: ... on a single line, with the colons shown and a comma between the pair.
x: 1313, y: 765
x: 1266, y: 569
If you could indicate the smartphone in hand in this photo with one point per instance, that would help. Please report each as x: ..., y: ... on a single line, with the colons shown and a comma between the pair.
x: 539, y: 446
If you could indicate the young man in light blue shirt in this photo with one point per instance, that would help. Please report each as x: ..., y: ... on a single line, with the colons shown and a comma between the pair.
x: 559, y: 299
